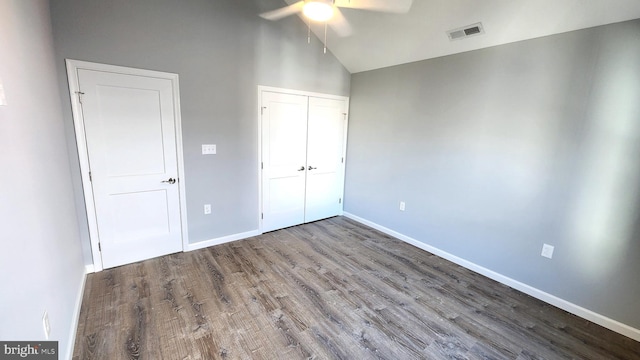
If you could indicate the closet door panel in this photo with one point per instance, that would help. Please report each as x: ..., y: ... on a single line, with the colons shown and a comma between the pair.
x: 284, y: 135
x: 325, y: 162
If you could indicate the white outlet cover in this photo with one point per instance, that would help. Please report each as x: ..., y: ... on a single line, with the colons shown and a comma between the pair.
x: 208, y: 149
x: 46, y: 325
x: 3, y: 99
x: 547, y: 251
x: 207, y: 209
x: 402, y: 205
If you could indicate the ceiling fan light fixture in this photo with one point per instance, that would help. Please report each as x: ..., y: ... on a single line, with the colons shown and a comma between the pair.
x: 318, y: 10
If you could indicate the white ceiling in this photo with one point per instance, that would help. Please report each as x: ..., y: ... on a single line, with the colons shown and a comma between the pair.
x: 381, y: 40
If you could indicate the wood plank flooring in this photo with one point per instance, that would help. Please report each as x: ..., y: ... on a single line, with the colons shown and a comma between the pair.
x: 333, y: 289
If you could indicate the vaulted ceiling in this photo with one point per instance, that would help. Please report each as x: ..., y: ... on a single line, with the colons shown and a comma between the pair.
x: 381, y: 39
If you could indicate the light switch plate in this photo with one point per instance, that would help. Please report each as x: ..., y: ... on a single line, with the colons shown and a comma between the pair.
x: 547, y: 251
x: 208, y: 149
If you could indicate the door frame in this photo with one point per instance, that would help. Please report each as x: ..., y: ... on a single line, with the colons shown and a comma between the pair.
x: 83, y: 156
x: 261, y: 89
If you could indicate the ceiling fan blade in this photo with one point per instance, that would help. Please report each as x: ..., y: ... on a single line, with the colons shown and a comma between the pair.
x: 392, y: 6
x: 339, y: 24
x: 278, y: 14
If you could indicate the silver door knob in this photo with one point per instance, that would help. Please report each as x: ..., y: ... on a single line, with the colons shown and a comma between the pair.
x: 170, y: 181
x: 312, y: 168
x: 301, y: 168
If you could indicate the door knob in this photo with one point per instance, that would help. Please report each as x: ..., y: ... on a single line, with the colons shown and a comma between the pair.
x: 170, y: 181
x: 312, y: 168
x: 301, y: 168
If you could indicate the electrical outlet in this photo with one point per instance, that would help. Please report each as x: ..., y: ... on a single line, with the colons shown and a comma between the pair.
x: 547, y: 251
x: 208, y: 149
x: 402, y: 205
x: 46, y: 325
x: 207, y: 209
x: 3, y: 99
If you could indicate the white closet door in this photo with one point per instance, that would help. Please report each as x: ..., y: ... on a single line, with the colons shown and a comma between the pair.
x: 284, y: 137
x: 325, y: 163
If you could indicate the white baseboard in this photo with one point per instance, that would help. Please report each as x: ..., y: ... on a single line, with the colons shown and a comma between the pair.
x: 203, y: 244
x: 76, y: 317
x: 222, y: 240
x: 577, y: 310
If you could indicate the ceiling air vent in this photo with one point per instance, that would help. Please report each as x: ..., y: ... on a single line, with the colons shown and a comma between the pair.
x: 465, y: 31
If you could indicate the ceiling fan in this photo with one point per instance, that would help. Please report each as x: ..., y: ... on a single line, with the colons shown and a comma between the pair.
x: 328, y: 12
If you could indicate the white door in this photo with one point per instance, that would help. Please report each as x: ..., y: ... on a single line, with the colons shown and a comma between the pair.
x: 130, y: 131
x: 325, y: 162
x: 302, y: 158
x: 284, y: 138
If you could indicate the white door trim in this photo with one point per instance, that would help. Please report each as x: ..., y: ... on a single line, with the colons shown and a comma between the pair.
x: 81, y: 142
x: 262, y: 88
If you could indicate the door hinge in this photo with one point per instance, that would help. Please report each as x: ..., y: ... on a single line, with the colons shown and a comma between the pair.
x: 99, y: 247
x: 340, y: 201
x: 262, y: 216
x: 261, y: 165
x: 90, y: 178
x: 342, y: 160
x: 80, y: 93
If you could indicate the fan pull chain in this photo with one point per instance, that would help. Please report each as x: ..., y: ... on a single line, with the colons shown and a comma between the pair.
x: 325, y: 37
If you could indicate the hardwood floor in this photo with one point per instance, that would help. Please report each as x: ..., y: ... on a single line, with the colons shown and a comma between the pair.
x: 334, y: 289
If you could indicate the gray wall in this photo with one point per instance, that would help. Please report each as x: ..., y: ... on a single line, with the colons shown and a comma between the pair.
x: 500, y: 150
x: 221, y: 50
x: 41, y: 265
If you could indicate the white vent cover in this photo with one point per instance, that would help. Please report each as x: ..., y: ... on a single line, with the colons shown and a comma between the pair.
x: 465, y: 31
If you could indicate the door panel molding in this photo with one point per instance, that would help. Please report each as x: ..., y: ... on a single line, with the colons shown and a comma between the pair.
x: 73, y: 67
